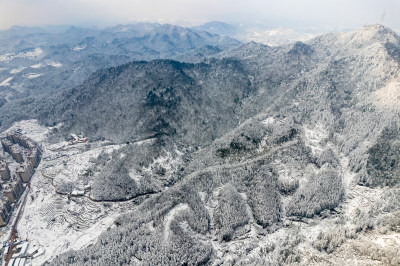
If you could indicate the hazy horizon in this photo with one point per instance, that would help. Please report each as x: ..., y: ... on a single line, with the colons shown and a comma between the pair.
x: 285, y: 13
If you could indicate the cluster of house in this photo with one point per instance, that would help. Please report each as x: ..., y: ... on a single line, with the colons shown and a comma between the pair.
x: 77, y: 139
x: 15, y: 143
x: 23, y: 251
x: 27, y: 154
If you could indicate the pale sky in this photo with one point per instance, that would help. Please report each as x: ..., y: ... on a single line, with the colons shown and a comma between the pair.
x: 317, y: 13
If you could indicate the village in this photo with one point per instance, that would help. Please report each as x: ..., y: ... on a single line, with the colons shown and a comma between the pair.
x: 18, y: 160
x: 54, y: 212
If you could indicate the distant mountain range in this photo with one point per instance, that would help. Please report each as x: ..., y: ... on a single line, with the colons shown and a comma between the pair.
x: 267, y: 34
x: 45, y: 60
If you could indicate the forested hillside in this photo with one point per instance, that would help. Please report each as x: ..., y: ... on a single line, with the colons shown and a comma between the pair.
x: 38, y: 62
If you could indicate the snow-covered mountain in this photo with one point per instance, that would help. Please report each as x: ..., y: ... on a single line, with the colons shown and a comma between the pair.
x: 36, y: 61
x: 257, y: 155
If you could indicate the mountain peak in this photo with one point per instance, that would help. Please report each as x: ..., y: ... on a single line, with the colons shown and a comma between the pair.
x: 379, y: 31
x: 365, y: 37
x: 246, y: 50
x: 253, y: 44
x: 378, y: 28
x: 375, y: 33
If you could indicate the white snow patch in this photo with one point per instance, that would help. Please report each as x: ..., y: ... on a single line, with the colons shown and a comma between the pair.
x: 387, y: 241
x: 17, y: 70
x: 314, y: 136
x: 134, y: 176
x: 37, y: 66
x: 202, y: 196
x: 388, y: 96
x: 269, y: 120
x: 179, y: 152
x: 6, y: 82
x: 146, y: 141
x: 33, y: 75
x: 50, y: 63
x: 167, y: 162
x: 79, y: 48
x: 54, y: 64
